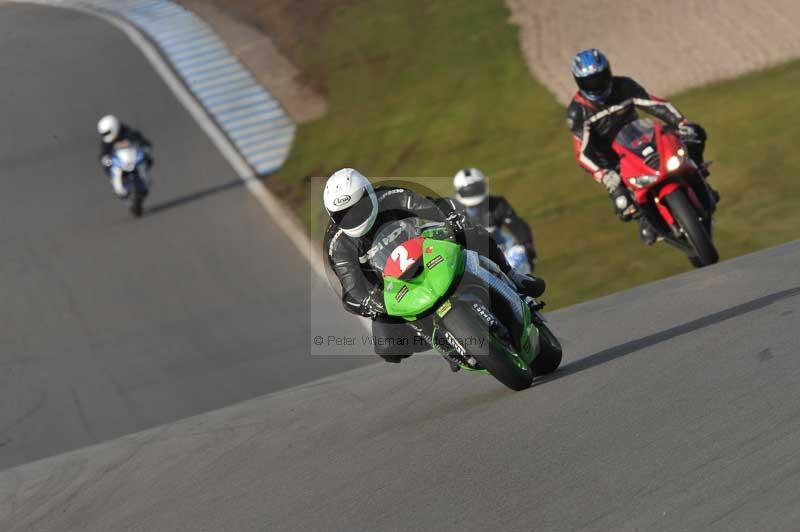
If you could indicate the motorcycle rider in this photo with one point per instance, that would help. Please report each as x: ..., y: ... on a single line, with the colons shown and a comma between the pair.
x: 357, y: 212
x: 603, y: 105
x: 489, y: 211
x: 112, y: 131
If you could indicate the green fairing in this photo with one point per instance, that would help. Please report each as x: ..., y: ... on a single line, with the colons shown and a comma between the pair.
x: 423, y: 291
x: 440, y: 267
x: 530, y: 338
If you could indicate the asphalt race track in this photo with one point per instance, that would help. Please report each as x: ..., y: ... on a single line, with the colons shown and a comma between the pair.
x: 677, y: 408
x: 109, y: 325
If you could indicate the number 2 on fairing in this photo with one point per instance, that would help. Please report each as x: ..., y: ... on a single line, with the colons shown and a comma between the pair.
x: 400, y: 254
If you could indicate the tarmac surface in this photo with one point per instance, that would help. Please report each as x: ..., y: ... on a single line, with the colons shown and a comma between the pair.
x: 677, y: 406
x: 109, y: 325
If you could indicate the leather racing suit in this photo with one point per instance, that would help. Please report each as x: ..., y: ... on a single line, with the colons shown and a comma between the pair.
x: 494, y: 213
x: 362, y: 285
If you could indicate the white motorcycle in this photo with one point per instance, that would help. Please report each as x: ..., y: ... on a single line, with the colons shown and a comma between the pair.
x: 130, y: 174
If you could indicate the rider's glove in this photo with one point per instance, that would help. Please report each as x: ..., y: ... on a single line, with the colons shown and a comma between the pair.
x: 456, y: 222
x: 690, y: 132
x: 105, y: 160
x: 372, y: 304
x: 610, y: 179
x: 527, y: 284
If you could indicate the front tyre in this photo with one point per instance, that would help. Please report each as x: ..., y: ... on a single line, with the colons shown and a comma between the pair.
x: 136, y: 207
x: 550, y: 352
x: 686, y: 217
x: 137, y: 199
x: 488, y: 347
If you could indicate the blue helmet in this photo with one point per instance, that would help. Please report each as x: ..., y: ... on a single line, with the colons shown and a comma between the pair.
x: 592, y: 73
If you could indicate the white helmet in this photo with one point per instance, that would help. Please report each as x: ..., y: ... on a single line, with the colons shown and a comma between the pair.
x: 108, y: 128
x: 351, y: 202
x: 470, y: 185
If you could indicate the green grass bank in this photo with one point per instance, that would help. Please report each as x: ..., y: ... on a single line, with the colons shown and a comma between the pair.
x: 424, y: 87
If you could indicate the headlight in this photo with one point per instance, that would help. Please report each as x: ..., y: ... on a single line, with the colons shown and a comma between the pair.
x: 644, y: 180
x: 674, y: 162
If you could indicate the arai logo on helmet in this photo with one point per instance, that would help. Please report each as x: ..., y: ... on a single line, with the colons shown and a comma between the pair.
x: 341, y: 200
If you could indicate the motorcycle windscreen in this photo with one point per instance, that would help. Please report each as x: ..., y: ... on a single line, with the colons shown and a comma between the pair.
x: 639, y: 137
x: 388, y: 238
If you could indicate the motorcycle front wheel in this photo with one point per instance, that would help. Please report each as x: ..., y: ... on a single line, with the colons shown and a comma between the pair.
x: 686, y: 217
x: 139, y: 192
x: 136, y: 207
x: 550, y: 352
x: 487, y: 347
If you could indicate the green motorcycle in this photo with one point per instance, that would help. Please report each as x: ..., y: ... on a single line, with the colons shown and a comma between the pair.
x: 462, y: 304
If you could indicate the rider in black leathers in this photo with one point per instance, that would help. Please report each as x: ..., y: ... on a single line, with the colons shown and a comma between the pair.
x: 603, y: 105
x: 362, y: 286
x: 129, y: 134
x: 112, y: 131
x: 491, y: 212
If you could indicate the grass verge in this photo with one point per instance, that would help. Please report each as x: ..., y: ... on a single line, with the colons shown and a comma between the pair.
x: 424, y: 87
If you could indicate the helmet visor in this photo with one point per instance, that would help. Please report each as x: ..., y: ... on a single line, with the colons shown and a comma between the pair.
x: 473, y: 190
x: 355, y: 215
x: 595, y: 84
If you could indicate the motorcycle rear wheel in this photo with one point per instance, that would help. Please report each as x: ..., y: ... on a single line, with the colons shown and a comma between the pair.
x: 686, y: 217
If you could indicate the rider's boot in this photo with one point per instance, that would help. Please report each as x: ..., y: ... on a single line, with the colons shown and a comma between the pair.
x: 623, y: 204
x: 527, y: 285
x: 647, y: 232
x: 454, y: 366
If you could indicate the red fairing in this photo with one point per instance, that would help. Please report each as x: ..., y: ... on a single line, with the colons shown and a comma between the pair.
x: 632, y: 165
x: 403, y: 257
x: 668, y: 145
x: 662, y: 209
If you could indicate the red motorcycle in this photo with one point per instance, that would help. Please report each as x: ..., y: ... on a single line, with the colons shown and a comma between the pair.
x: 668, y: 187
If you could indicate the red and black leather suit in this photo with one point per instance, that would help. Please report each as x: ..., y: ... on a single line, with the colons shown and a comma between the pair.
x: 594, y: 125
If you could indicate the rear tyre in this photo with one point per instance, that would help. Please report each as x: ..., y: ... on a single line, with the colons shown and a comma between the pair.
x: 492, y: 353
x: 686, y: 217
x: 550, y: 352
